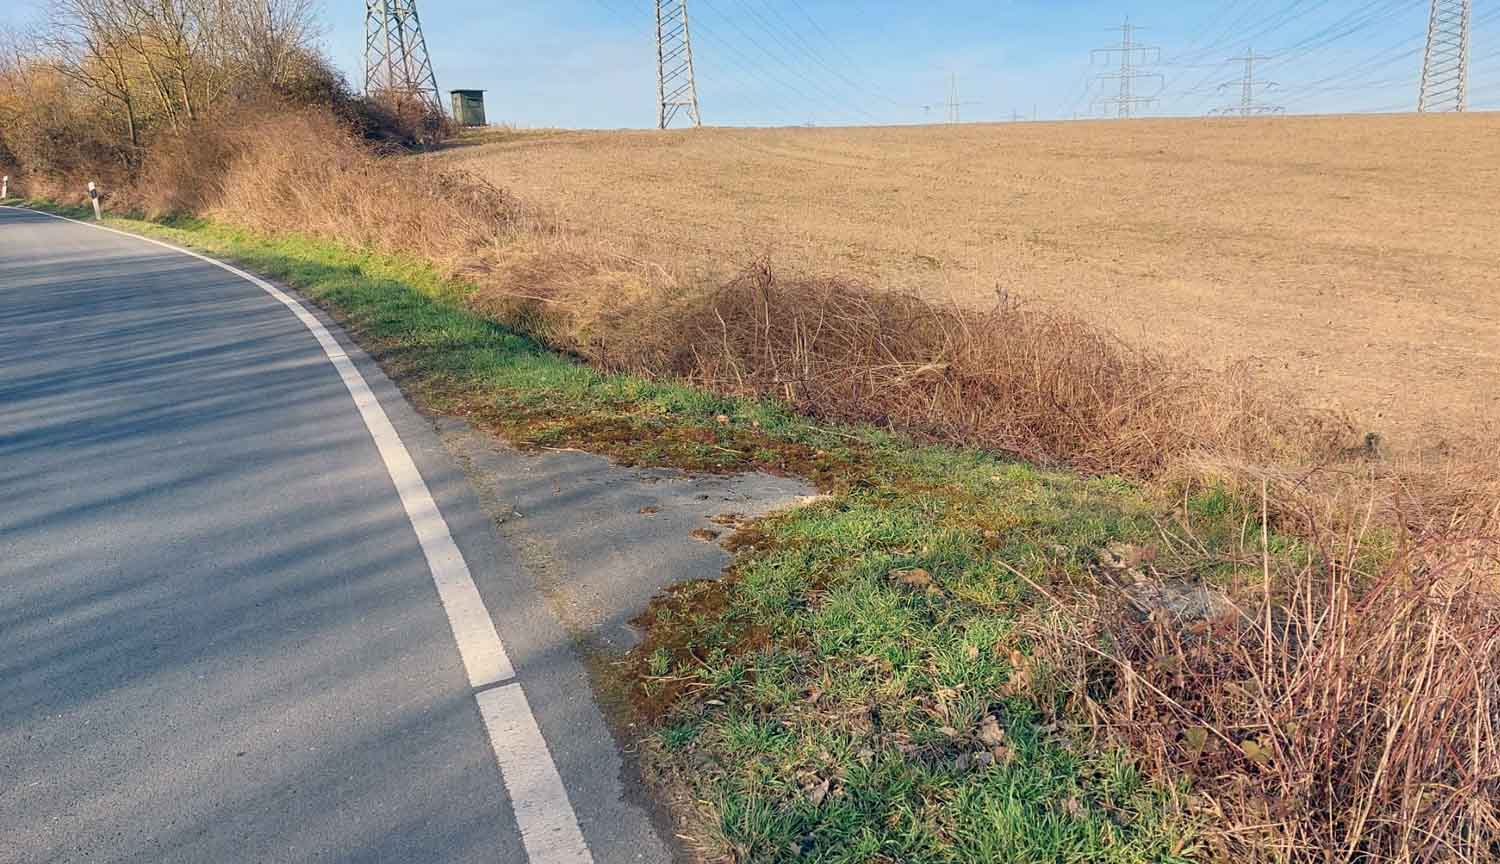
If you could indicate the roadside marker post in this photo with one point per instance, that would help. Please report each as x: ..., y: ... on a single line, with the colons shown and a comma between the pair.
x: 94, y: 199
x: 4, y: 187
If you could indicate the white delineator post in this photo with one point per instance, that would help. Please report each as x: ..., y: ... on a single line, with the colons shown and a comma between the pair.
x: 4, y: 187
x: 94, y: 199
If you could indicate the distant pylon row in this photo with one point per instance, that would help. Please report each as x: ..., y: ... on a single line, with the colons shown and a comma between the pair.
x: 396, y: 61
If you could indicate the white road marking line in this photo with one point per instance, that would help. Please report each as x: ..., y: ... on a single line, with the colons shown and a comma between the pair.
x: 549, y: 827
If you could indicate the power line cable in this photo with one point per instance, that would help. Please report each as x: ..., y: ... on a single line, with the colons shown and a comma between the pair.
x: 649, y: 36
x: 830, y: 98
x: 801, y: 42
x: 1350, y: 23
x: 1191, y: 42
x: 1382, y: 59
x: 1217, y: 42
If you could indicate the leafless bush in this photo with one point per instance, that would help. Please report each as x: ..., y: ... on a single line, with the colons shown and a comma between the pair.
x: 398, y: 121
x: 104, y: 83
x: 1012, y: 377
x: 1331, y: 711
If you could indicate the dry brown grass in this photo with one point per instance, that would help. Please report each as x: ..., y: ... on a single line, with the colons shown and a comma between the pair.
x: 302, y: 171
x: 1329, y: 711
x: 1351, y: 260
x: 1011, y: 377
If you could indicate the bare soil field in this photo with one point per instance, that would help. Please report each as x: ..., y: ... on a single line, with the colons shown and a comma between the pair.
x: 1354, y: 259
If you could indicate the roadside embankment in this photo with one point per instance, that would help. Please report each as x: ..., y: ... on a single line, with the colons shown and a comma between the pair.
x: 1064, y: 600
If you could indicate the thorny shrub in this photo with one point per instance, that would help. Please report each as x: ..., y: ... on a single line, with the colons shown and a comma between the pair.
x: 1012, y: 377
x: 1342, y: 705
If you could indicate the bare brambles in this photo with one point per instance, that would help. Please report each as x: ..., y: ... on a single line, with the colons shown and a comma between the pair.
x: 1339, y: 703
x: 1012, y: 377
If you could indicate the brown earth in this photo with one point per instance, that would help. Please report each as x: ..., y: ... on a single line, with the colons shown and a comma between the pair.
x: 1356, y: 259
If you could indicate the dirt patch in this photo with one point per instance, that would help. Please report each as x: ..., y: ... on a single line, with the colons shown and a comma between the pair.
x: 604, y: 538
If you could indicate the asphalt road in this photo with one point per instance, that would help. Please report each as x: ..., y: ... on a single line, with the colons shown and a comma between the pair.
x: 220, y: 637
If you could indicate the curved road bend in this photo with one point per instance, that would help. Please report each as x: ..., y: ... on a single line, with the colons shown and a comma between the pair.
x: 245, y: 617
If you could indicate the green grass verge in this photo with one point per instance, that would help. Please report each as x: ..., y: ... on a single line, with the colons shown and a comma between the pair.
x: 858, y: 687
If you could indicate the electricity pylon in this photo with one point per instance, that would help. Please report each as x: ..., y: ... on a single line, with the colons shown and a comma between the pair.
x: 676, y: 89
x: 1132, y: 56
x: 1445, y: 64
x: 953, y: 104
x: 396, y: 60
x: 1248, y: 85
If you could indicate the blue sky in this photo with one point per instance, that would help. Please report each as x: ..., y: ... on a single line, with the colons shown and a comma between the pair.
x: 590, y: 63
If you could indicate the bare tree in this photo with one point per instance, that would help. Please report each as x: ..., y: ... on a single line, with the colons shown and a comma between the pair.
x: 181, y: 56
x: 265, y: 40
x: 90, y: 47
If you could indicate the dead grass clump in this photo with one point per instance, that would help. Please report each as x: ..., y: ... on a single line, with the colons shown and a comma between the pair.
x: 303, y: 171
x: 1012, y: 377
x: 1328, y: 713
x: 183, y: 172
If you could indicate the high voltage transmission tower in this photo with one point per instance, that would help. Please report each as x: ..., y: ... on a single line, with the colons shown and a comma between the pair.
x: 1132, y: 56
x: 396, y: 60
x: 953, y: 104
x: 676, y: 88
x: 952, y: 107
x: 1445, y: 64
x: 1248, y: 87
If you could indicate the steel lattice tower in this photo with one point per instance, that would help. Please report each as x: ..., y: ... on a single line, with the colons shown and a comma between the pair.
x: 1248, y: 88
x: 676, y: 89
x: 396, y: 60
x: 1445, y: 65
x: 1132, y: 55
